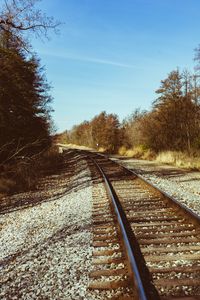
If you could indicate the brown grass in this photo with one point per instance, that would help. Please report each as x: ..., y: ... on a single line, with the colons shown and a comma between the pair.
x: 139, y: 152
x: 180, y: 159
x: 175, y: 158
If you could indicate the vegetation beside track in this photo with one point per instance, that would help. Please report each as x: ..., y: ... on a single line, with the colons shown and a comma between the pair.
x: 24, y: 173
x: 25, y: 123
x: 180, y: 159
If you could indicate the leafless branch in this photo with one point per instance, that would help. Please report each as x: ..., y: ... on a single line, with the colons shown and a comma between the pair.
x: 20, y: 16
x: 18, y: 149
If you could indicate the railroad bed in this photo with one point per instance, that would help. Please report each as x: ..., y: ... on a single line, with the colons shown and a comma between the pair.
x: 165, y: 238
x: 96, y: 231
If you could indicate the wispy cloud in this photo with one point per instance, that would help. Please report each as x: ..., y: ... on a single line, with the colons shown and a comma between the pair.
x: 93, y: 60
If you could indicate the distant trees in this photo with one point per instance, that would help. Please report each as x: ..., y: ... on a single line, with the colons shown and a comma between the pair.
x: 81, y: 134
x: 174, y: 121
x: 176, y: 113
x: 131, y: 130
x: 103, y: 131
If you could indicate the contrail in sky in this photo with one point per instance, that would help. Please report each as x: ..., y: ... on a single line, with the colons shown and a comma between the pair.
x: 88, y: 59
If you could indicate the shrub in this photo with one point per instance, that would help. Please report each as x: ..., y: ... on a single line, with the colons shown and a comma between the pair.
x: 140, y: 151
x: 122, y: 150
x: 23, y: 174
x: 149, y: 154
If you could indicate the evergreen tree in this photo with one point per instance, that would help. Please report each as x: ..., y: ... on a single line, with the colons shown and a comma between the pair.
x: 24, y: 101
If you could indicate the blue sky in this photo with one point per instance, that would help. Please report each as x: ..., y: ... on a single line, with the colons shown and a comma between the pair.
x: 112, y: 54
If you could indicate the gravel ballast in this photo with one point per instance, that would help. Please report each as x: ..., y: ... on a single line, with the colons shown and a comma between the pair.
x: 46, y: 246
x: 46, y: 249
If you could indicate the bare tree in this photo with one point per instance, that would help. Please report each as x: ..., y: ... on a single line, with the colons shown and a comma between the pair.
x: 20, y: 16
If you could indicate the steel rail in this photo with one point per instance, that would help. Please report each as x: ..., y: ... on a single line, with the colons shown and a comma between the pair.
x: 142, y: 277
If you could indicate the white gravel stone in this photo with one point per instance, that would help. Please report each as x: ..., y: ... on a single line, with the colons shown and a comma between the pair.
x: 46, y: 250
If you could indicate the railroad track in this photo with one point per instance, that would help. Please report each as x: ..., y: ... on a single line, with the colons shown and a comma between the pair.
x: 162, y: 236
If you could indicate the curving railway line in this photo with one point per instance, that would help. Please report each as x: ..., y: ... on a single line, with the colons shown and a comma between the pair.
x: 146, y: 245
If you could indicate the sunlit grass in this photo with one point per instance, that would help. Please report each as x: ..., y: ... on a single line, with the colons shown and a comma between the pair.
x: 175, y: 158
x: 179, y: 159
x: 139, y: 152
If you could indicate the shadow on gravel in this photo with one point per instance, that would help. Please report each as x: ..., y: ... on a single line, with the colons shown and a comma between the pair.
x: 41, y: 247
x: 151, y: 169
x: 70, y: 177
x: 161, y: 172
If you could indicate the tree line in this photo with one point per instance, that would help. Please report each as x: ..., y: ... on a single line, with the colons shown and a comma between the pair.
x: 102, y: 132
x: 25, y: 122
x: 26, y: 127
x: 173, y: 123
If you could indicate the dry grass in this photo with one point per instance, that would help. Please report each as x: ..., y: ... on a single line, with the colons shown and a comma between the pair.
x: 101, y: 149
x: 175, y: 158
x: 73, y: 146
x: 180, y: 159
x: 139, y: 152
x: 122, y: 151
